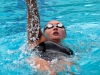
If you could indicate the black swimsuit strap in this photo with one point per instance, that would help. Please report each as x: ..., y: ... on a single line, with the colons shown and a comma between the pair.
x: 56, y: 47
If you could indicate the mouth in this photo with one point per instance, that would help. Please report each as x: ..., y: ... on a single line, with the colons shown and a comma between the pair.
x: 55, y: 33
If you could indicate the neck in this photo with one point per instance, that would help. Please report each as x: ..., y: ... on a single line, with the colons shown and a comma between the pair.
x: 56, y: 41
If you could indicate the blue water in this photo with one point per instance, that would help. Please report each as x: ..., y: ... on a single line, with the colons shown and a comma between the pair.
x: 81, y: 19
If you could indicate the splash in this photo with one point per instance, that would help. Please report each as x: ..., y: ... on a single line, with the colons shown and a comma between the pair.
x: 33, y: 21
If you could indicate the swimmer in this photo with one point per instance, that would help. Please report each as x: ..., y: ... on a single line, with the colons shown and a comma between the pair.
x: 47, y: 45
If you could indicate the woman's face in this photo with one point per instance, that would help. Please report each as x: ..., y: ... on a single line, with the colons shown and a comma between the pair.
x: 55, y: 34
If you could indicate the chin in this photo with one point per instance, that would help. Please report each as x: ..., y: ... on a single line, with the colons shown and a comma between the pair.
x: 56, y: 38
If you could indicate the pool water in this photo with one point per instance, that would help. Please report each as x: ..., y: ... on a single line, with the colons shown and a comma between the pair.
x: 81, y: 19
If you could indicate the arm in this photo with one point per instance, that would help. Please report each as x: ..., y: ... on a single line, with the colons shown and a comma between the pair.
x: 44, y: 65
x: 35, y: 35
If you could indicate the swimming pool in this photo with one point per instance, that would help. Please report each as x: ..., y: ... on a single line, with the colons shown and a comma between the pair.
x: 82, y: 21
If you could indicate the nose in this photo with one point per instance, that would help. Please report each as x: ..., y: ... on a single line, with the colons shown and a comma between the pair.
x: 55, y: 28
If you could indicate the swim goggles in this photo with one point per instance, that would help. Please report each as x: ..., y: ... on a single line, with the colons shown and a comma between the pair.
x: 49, y: 26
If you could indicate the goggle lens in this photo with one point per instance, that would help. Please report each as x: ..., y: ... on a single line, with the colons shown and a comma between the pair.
x: 49, y: 26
